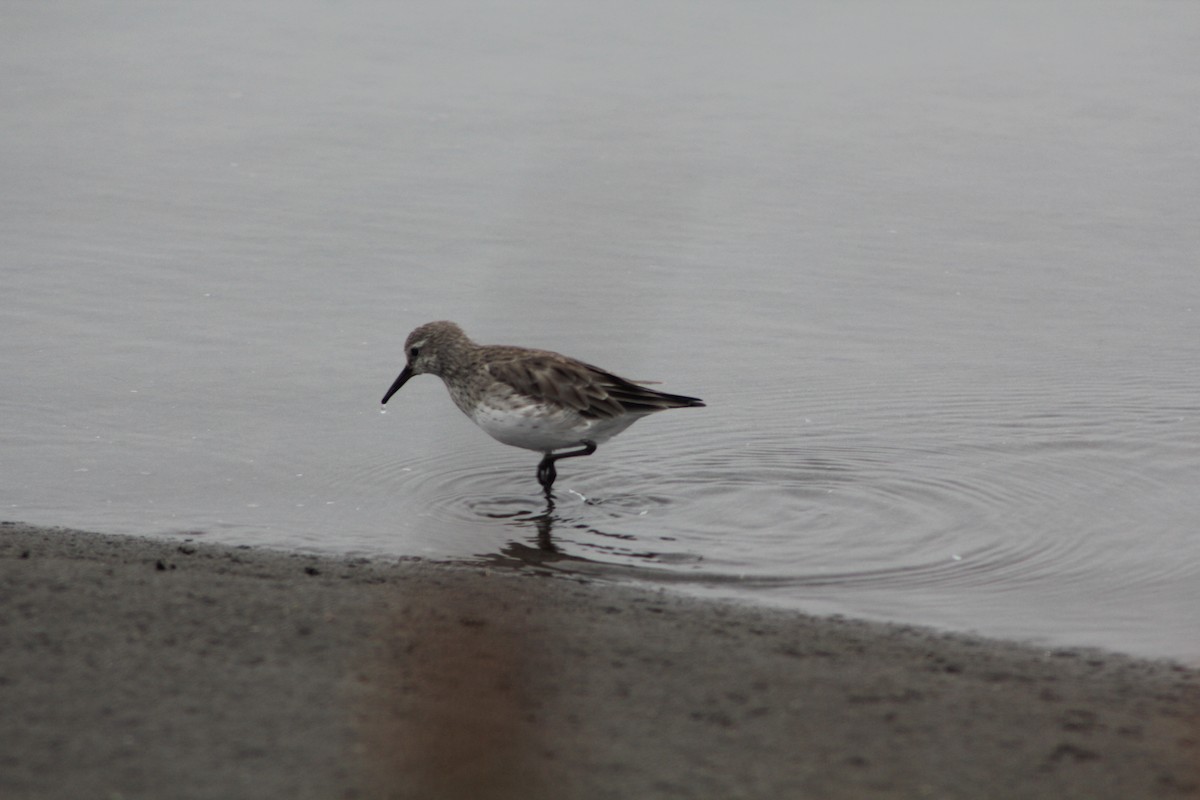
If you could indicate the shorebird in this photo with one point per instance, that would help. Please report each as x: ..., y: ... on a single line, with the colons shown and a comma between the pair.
x: 535, y: 399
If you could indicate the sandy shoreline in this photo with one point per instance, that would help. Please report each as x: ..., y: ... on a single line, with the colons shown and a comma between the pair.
x: 135, y: 668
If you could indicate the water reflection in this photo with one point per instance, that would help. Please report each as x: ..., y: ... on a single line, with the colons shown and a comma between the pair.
x: 545, y: 551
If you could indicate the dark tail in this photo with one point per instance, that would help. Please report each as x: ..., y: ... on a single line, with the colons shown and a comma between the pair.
x: 633, y: 397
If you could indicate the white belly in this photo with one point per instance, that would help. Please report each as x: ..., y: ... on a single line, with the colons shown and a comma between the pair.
x: 545, y: 428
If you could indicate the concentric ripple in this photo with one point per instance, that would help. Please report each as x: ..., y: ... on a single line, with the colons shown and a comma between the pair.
x: 834, y: 506
x: 489, y: 495
x: 868, y: 511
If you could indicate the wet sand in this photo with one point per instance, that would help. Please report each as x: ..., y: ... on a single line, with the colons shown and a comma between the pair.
x: 135, y: 668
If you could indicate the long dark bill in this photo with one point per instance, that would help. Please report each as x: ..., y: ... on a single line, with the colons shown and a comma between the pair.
x: 400, y: 381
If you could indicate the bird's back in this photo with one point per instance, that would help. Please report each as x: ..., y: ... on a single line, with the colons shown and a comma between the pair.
x: 594, y: 393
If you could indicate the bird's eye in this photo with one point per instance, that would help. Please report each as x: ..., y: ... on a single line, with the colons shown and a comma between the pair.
x: 413, y: 351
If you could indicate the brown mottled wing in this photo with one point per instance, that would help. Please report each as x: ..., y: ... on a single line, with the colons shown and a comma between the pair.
x: 554, y: 379
x: 589, y: 390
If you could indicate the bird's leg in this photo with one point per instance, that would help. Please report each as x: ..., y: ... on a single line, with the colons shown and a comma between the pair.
x: 546, y: 473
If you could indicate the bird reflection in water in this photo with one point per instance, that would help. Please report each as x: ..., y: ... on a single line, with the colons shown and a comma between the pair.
x: 545, y: 552
x: 518, y: 554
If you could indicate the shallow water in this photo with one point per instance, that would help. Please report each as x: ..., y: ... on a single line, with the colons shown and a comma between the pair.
x: 934, y: 273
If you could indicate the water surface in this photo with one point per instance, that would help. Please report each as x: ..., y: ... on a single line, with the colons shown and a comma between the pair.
x: 933, y: 270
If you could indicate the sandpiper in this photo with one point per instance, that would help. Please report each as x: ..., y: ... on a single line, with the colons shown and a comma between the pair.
x: 535, y: 399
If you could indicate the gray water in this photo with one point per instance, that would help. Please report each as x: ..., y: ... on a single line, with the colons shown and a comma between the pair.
x: 932, y: 267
